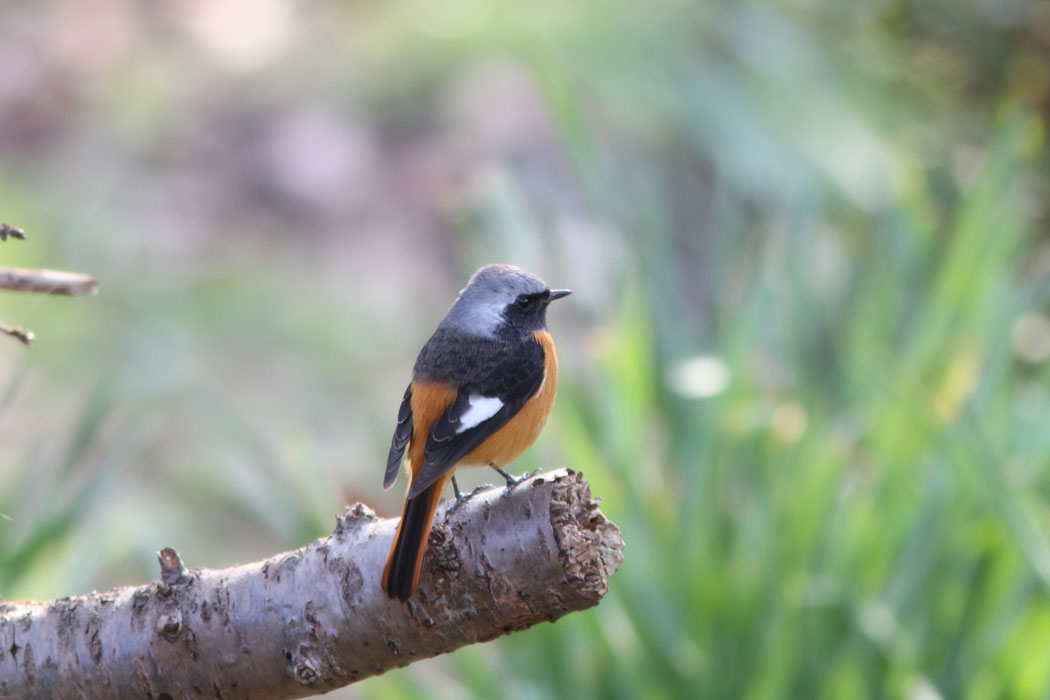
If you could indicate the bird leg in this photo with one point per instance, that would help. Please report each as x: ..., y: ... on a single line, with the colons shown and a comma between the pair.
x: 461, y: 497
x: 512, y: 481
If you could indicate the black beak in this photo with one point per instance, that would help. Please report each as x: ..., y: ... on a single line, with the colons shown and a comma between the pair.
x: 559, y: 293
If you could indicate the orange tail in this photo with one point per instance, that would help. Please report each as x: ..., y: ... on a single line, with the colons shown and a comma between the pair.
x: 401, y: 575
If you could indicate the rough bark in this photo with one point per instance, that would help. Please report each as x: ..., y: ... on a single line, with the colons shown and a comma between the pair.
x: 308, y: 621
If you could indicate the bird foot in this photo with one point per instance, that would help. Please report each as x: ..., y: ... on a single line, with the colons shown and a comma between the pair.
x: 513, y: 481
x: 461, y: 497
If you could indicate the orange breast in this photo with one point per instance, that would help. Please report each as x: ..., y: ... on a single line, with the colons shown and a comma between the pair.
x: 522, y: 430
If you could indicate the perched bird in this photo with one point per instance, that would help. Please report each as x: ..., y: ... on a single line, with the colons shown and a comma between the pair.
x: 481, y: 390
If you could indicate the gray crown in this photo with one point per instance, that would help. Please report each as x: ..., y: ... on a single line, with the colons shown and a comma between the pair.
x: 478, y: 310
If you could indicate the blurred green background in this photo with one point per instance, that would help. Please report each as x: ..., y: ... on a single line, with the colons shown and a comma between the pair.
x: 805, y: 366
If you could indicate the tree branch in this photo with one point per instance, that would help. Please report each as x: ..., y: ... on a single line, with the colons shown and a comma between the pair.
x: 47, y: 281
x: 308, y: 621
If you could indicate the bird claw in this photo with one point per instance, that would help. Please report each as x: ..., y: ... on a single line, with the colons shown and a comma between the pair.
x: 513, y: 481
x: 461, y: 497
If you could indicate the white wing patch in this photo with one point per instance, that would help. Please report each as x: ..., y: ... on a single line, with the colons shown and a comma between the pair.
x: 481, y: 409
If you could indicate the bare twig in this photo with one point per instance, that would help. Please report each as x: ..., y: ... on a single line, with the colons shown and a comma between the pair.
x: 18, y: 333
x: 47, y: 281
x: 7, y: 229
x: 305, y: 622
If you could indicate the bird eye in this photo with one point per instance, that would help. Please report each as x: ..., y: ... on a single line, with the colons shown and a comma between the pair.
x: 525, y: 303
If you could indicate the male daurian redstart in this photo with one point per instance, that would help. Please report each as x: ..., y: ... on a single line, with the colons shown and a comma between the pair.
x: 481, y: 390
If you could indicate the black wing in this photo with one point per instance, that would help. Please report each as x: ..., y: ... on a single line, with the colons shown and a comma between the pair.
x: 513, y: 378
x: 402, y: 434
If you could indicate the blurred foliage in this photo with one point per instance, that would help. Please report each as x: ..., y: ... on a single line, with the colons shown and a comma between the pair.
x: 805, y: 367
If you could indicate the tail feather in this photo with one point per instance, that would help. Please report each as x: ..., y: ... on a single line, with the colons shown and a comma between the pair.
x: 401, y: 575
